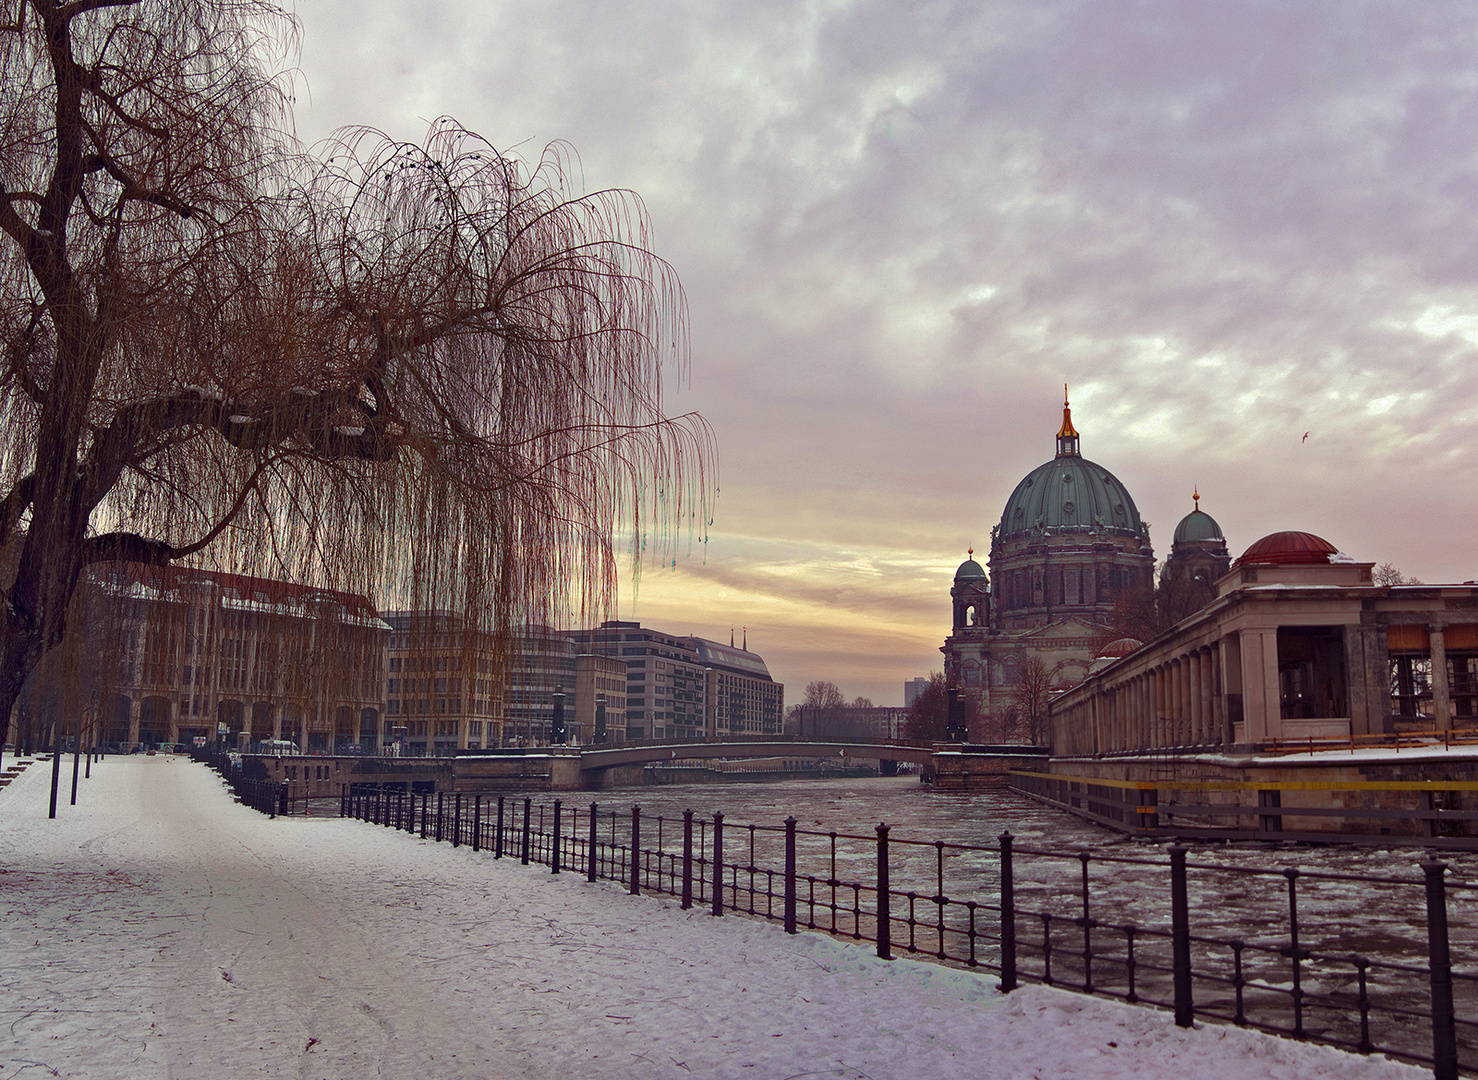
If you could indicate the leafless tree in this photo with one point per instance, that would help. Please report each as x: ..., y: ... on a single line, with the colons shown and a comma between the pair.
x: 1030, y: 695
x: 823, y: 694
x: 860, y: 702
x: 928, y: 716
x: 1390, y: 574
x: 428, y: 372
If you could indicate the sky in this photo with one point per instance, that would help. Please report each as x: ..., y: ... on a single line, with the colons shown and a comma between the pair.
x: 902, y: 228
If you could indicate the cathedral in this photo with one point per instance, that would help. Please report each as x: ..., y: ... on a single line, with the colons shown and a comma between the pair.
x: 1069, y: 545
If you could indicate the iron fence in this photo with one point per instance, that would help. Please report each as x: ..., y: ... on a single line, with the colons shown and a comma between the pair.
x: 1279, y: 950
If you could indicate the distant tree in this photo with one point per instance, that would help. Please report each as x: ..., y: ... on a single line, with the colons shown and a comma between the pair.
x: 861, y: 702
x: 821, y: 694
x: 421, y: 371
x: 1179, y: 595
x: 1135, y: 614
x: 1389, y: 574
x: 1030, y: 695
x: 928, y: 716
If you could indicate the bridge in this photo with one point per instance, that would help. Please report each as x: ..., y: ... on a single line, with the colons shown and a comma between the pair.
x: 953, y: 766
x: 595, y: 758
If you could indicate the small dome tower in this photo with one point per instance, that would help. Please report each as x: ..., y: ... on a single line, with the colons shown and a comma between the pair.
x: 971, y: 595
x: 1198, y: 558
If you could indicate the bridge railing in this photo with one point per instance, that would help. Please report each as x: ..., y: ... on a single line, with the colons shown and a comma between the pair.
x: 1283, y: 950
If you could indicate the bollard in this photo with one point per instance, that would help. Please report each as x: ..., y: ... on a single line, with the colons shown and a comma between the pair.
x: 718, y: 863
x: 635, y: 888
x: 554, y: 849
x: 687, y: 859
x: 524, y: 854
x: 590, y: 857
x: 790, y: 875
x: 885, y: 917
x: 1444, y: 1027
x: 1008, y: 917
x: 477, y: 822
x: 498, y: 831
x: 1180, y: 939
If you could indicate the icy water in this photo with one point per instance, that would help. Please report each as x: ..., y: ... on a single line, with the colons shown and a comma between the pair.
x: 946, y: 845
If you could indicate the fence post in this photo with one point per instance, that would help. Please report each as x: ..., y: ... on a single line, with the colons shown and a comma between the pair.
x: 590, y: 857
x: 524, y: 854
x: 790, y: 874
x: 687, y: 859
x: 554, y: 848
x: 498, y: 832
x: 885, y: 915
x: 343, y: 800
x: 440, y: 804
x: 1444, y: 1028
x: 477, y: 822
x: 718, y: 863
x: 1008, y: 917
x: 425, y: 811
x: 457, y: 820
x: 1180, y: 938
x: 635, y: 850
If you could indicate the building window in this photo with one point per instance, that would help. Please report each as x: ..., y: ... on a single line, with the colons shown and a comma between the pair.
x: 1411, y: 684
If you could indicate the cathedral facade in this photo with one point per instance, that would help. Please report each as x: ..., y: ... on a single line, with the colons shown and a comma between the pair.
x: 1070, y: 543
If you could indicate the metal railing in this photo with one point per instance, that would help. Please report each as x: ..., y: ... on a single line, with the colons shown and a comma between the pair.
x: 1288, y: 961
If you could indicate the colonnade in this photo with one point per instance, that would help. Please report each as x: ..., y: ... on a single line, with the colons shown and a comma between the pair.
x: 1178, y: 702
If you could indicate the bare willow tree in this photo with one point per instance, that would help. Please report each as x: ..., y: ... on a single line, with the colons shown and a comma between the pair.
x: 428, y: 372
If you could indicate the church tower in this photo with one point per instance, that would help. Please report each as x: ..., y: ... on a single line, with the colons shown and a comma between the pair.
x: 1069, y: 541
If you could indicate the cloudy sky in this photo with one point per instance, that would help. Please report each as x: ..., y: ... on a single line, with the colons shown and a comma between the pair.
x: 902, y: 227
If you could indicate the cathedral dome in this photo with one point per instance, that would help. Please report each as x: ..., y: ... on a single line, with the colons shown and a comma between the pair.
x: 1070, y: 492
x: 1291, y: 549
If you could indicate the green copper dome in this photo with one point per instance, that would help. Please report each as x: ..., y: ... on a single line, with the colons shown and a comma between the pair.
x: 1197, y: 525
x: 970, y: 569
x: 1070, y: 492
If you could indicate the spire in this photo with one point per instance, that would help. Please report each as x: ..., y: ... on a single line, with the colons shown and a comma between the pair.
x: 1067, y: 435
x: 1196, y: 497
x: 746, y: 639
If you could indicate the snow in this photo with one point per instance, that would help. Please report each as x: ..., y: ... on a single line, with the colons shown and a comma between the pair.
x: 159, y: 929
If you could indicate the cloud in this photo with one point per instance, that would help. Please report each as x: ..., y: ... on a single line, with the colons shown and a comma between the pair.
x: 902, y: 228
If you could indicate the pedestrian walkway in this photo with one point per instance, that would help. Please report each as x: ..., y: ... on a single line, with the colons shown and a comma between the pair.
x: 158, y: 929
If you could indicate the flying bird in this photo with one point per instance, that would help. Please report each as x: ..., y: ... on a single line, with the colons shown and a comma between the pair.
x: 1305, y: 438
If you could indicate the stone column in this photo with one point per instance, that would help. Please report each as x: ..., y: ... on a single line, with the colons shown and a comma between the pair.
x: 1259, y: 654
x: 174, y: 721
x: 135, y: 713
x: 1441, y: 691
x: 1157, y: 735
x: 1194, y: 693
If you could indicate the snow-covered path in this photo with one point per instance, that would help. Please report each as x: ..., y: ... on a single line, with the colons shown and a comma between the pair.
x: 160, y: 930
